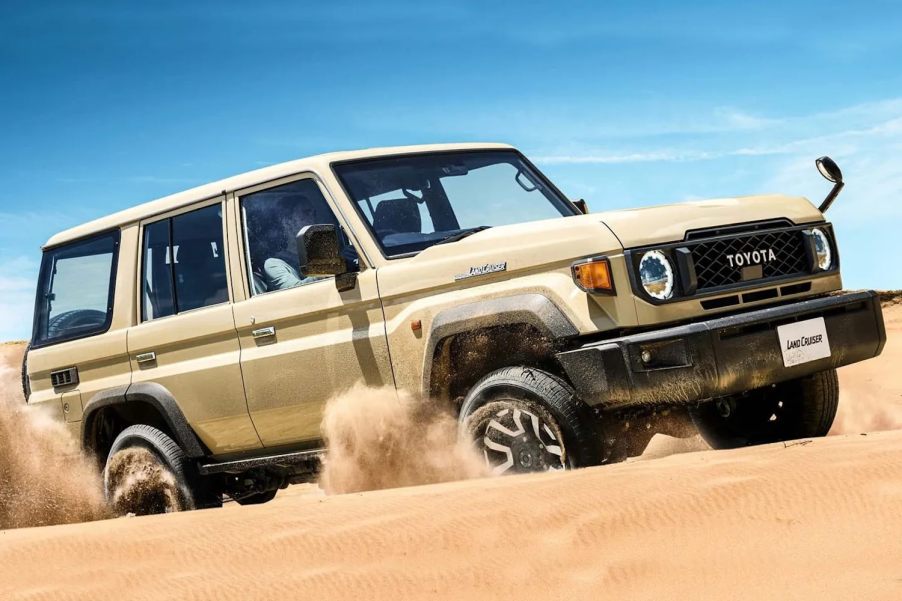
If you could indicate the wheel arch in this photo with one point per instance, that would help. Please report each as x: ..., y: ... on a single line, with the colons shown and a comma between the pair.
x: 532, y: 322
x: 142, y: 403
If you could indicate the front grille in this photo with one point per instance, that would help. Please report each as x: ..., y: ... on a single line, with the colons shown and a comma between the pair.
x: 713, y: 269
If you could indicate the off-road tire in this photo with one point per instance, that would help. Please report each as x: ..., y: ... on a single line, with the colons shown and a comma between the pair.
x: 192, y: 493
x: 542, y: 394
x: 26, y: 385
x: 801, y: 408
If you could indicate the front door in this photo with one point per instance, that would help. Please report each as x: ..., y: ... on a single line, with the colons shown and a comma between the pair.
x: 302, y: 341
x: 185, y: 339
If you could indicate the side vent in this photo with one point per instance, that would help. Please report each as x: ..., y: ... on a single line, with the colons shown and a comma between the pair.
x: 64, y: 377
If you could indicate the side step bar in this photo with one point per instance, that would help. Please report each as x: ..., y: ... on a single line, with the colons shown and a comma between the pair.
x: 311, y: 458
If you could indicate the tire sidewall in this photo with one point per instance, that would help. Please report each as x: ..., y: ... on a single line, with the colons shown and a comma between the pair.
x: 132, y: 438
x: 579, y: 451
x: 26, y: 384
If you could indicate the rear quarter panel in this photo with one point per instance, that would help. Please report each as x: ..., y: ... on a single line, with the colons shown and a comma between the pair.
x: 102, y: 360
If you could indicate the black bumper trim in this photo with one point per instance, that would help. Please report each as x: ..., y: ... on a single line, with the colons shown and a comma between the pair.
x: 722, y: 356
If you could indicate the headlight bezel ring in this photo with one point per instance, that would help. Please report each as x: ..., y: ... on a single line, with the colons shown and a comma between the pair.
x: 669, y: 275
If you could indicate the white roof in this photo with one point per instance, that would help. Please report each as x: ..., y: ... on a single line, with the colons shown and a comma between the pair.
x: 318, y: 163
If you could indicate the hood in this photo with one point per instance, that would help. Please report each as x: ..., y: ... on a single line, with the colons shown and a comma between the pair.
x: 533, y: 247
x: 669, y: 223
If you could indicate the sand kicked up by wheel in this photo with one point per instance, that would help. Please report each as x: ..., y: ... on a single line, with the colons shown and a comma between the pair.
x: 44, y: 477
x: 377, y: 438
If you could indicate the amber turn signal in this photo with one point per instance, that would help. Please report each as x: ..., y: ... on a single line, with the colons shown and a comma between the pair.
x: 594, y: 275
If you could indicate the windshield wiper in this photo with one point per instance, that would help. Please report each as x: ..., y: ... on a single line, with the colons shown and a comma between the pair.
x: 463, y: 234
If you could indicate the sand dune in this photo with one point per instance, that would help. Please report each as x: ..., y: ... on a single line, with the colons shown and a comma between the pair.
x: 820, y: 520
x: 815, y: 519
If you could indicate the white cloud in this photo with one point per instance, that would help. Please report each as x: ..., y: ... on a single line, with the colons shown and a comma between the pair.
x: 665, y: 155
x: 870, y: 164
x: 865, y: 138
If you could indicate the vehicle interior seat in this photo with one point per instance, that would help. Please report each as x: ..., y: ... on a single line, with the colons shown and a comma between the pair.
x: 399, y: 215
x: 200, y: 276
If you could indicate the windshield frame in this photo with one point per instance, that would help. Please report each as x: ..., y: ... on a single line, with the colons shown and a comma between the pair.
x: 386, y: 254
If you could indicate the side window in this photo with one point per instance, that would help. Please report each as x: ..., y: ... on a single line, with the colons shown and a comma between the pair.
x: 184, y: 263
x: 156, y: 280
x: 272, y: 219
x: 75, y: 290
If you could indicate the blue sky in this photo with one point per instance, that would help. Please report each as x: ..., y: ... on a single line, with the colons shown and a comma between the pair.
x: 105, y: 105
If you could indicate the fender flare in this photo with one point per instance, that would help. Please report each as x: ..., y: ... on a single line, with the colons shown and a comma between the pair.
x: 155, y: 395
x: 532, y: 309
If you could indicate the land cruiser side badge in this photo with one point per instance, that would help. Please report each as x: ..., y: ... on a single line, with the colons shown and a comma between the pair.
x: 482, y: 270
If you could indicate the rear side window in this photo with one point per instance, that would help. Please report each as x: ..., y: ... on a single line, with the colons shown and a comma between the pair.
x: 184, y: 264
x: 75, y: 290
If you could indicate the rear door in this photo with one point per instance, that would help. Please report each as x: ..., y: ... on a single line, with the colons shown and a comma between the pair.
x: 79, y: 341
x: 185, y: 339
x: 302, y: 341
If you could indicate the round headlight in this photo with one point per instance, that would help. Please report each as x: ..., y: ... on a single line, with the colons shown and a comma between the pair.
x: 656, y: 274
x: 822, y: 250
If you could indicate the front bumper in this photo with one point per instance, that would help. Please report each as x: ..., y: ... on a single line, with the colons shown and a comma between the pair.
x: 720, y: 357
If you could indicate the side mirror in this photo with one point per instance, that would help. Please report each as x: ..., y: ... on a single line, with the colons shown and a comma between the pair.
x: 582, y: 205
x: 832, y: 173
x: 319, y: 254
x: 829, y: 169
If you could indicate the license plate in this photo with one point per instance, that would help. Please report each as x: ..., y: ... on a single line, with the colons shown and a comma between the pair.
x: 804, y: 341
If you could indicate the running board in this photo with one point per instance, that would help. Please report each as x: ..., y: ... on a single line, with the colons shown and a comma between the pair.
x: 242, y: 465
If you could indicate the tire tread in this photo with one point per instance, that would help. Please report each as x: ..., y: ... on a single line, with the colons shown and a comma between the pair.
x: 166, y: 448
x: 574, y: 417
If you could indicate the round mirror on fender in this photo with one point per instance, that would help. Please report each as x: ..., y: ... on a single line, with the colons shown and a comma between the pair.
x: 829, y: 169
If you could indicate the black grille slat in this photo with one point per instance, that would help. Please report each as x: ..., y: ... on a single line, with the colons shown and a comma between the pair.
x: 714, y: 270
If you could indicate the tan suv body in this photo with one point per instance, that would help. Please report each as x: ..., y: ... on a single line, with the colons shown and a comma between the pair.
x: 226, y: 316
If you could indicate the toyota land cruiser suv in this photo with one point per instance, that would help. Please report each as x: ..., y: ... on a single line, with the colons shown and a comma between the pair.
x: 210, y: 327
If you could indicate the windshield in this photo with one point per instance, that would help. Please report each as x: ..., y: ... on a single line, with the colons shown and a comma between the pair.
x: 413, y: 202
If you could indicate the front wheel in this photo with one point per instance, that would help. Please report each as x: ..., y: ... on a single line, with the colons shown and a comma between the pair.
x: 801, y: 408
x: 528, y: 420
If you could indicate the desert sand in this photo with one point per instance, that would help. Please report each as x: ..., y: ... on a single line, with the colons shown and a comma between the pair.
x: 818, y: 519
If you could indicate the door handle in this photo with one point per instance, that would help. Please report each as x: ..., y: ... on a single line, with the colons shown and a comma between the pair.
x: 146, y: 357
x: 264, y: 333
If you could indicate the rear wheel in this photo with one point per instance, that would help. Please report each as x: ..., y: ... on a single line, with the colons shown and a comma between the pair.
x: 528, y: 420
x: 802, y: 408
x: 147, y: 472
